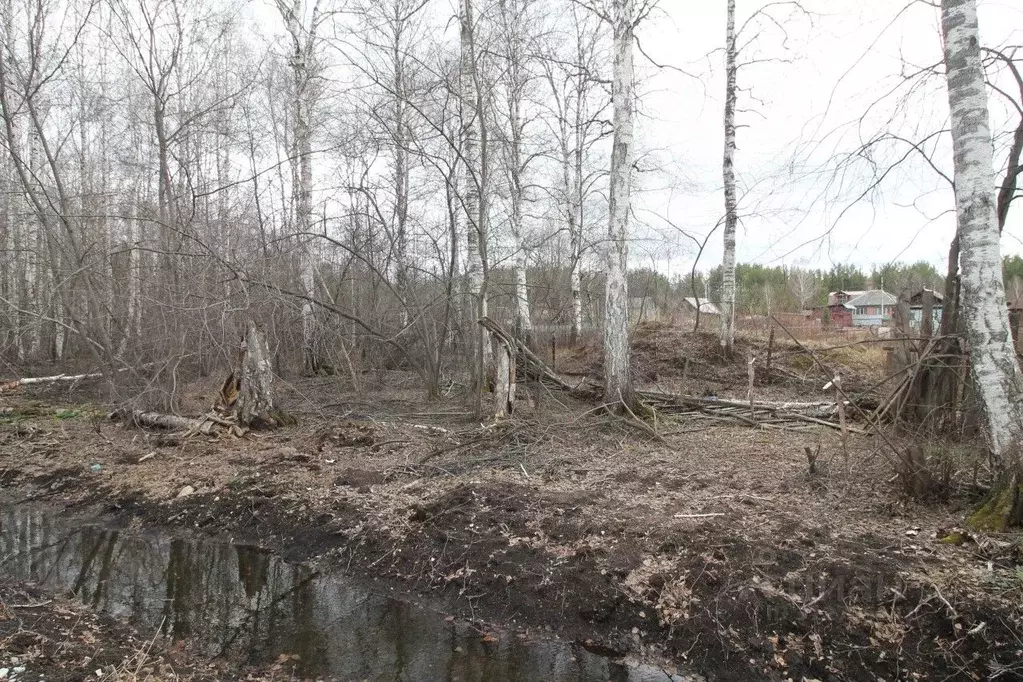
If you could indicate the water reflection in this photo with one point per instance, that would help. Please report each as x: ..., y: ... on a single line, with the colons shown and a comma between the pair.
x: 241, y: 602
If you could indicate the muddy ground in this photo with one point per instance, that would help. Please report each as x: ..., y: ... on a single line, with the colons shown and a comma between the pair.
x: 714, y: 549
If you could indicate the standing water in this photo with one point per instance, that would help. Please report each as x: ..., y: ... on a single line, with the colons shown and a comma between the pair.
x: 244, y: 604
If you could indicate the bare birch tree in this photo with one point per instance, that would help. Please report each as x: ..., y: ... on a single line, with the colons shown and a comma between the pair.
x: 618, y: 388
x: 996, y: 370
x: 574, y: 80
x: 65, y: 263
x: 303, y: 29
x: 515, y: 77
x: 728, y: 171
x: 474, y: 201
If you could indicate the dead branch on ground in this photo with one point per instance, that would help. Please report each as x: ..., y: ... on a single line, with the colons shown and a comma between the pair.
x: 788, y: 415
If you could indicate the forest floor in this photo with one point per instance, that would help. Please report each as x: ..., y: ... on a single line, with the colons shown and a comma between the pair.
x: 713, y: 548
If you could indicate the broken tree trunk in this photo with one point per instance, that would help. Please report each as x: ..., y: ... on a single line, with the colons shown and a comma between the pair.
x: 532, y: 365
x: 255, y: 407
x: 927, y: 315
x: 504, y: 389
x: 245, y: 400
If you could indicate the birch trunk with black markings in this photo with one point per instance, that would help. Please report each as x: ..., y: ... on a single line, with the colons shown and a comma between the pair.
x: 996, y: 372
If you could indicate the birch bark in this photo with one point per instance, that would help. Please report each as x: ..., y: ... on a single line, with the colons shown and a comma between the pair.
x: 996, y: 371
x: 618, y: 388
x: 512, y: 11
x: 728, y: 171
x: 303, y: 43
x: 475, y: 223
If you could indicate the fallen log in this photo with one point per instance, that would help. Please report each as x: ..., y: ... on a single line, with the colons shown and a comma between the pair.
x: 56, y: 378
x: 813, y: 409
x: 65, y: 378
x: 159, y: 420
x: 175, y: 430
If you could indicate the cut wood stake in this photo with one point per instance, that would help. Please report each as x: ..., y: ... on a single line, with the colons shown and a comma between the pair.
x: 837, y: 382
x: 751, y: 372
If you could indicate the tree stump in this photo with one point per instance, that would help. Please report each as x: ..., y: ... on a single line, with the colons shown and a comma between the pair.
x: 255, y: 407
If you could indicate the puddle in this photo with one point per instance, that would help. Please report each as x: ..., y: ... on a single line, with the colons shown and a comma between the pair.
x: 242, y: 603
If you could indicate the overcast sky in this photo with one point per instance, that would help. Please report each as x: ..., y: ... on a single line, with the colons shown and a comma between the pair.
x: 825, y: 83
x: 806, y: 111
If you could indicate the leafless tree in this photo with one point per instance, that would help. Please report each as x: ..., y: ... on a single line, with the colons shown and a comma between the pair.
x: 618, y: 387
x: 995, y: 367
x: 303, y: 27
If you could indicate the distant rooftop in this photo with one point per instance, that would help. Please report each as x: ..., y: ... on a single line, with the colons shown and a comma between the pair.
x: 833, y: 296
x: 705, y: 306
x: 874, y: 297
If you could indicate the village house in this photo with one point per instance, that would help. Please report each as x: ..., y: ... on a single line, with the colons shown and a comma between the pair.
x: 870, y: 308
x: 836, y: 313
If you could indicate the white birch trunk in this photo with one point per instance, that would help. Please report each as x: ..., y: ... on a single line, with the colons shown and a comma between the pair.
x: 452, y: 192
x: 475, y: 222
x: 512, y: 13
x: 572, y: 191
x: 522, y: 315
x: 617, y: 375
x: 575, y: 200
x: 303, y: 41
x: 728, y: 171
x: 401, y: 170
x: 504, y: 387
x: 996, y: 371
x: 38, y: 273
x: 304, y: 214
x: 575, y: 238
x: 523, y: 321
x: 577, y: 293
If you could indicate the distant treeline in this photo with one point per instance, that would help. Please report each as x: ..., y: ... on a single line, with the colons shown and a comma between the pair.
x: 765, y: 289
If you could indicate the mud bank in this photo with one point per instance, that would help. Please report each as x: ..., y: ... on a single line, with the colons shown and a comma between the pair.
x: 247, y: 610
x: 714, y: 552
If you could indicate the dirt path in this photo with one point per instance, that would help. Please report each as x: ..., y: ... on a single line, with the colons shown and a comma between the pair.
x: 716, y: 550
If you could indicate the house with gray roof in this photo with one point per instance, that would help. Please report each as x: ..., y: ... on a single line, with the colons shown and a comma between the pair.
x: 872, y: 308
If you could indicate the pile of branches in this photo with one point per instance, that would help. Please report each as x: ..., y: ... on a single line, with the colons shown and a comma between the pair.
x: 934, y: 392
x: 934, y: 381
x: 778, y: 415
x: 788, y: 415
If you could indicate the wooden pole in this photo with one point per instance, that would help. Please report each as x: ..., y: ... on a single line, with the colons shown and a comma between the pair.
x: 927, y: 315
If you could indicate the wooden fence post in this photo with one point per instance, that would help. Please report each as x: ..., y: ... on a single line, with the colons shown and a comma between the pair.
x: 927, y: 315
